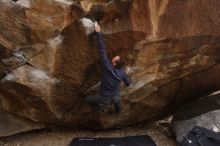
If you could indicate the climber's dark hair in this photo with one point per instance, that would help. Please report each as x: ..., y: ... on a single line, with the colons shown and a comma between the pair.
x: 119, y: 64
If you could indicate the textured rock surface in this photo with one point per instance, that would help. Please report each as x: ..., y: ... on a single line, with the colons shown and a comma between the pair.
x: 49, y: 64
x: 204, y: 112
x: 12, y: 124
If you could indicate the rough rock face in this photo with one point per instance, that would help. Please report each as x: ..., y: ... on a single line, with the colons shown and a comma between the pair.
x: 204, y: 112
x: 49, y: 64
x: 13, y: 124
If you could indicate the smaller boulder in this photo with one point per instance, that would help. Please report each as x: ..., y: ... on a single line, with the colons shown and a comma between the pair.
x: 204, y: 112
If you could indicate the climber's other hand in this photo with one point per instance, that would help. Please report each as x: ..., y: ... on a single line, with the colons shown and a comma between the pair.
x: 97, y: 27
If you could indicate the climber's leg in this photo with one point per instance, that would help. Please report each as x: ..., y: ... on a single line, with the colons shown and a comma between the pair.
x: 94, y: 101
x: 117, y: 106
x: 98, y: 102
x: 117, y: 103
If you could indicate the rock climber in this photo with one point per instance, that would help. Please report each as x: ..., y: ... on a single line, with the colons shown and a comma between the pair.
x: 112, y: 74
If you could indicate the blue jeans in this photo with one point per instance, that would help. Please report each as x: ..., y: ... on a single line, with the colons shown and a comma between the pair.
x: 98, y: 102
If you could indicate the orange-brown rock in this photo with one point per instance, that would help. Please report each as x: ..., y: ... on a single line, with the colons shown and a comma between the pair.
x: 13, y: 124
x: 49, y: 64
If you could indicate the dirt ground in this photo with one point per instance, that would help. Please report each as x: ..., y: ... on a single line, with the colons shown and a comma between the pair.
x: 159, y: 131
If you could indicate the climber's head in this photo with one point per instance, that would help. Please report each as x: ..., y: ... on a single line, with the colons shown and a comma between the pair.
x: 117, y: 62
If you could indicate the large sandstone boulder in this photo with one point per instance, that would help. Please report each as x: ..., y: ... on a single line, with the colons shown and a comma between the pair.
x: 49, y: 63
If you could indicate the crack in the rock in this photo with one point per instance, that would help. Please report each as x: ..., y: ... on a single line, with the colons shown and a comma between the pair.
x: 188, y: 75
x: 174, y: 80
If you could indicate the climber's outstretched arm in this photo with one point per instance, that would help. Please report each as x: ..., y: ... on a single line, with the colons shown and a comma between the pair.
x: 104, y: 59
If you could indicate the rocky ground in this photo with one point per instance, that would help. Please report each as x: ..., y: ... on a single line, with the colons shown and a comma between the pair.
x: 159, y: 132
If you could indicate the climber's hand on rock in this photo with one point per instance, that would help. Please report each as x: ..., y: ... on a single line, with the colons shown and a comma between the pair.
x: 97, y: 27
